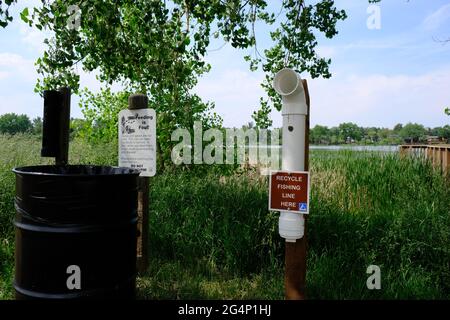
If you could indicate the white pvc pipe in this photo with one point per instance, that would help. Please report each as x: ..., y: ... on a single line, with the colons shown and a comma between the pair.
x: 288, y: 84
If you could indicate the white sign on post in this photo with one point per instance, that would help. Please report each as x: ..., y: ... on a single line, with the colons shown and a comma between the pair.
x: 137, y: 140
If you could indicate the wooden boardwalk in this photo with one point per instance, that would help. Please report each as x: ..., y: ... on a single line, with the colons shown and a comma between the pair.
x: 438, y: 154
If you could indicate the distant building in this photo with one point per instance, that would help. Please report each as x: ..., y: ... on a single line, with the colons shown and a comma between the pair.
x: 434, y: 140
x: 349, y: 140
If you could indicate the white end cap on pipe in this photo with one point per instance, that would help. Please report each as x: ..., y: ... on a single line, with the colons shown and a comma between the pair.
x: 288, y: 84
x: 291, y: 226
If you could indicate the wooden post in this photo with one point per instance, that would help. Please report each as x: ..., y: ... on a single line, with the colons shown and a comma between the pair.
x: 403, y: 151
x: 433, y: 156
x: 447, y: 163
x: 295, y: 252
x: 140, y: 101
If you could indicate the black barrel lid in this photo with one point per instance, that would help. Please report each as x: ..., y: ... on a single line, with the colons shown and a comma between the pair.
x: 75, y: 170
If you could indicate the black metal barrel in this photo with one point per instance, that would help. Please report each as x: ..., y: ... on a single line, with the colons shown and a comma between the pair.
x: 75, y: 232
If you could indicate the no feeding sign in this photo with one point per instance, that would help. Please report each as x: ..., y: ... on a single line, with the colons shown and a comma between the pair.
x: 137, y: 140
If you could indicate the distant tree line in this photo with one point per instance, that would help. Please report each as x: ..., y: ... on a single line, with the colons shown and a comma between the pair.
x: 11, y: 123
x: 347, y: 133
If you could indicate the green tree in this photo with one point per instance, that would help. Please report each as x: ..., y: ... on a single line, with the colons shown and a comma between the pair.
x: 445, y: 133
x: 295, y: 46
x: 262, y: 115
x: 413, y: 131
x: 441, y: 132
x: 158, y: 46
x: 37, y: 125
x: 12, y: 123
x: 334, y: 136
x: 320, y: 135
x: 398, y: 127
x: 77, y: 126
x: 100, y: 111
x: 371, y: 135
x: 349, y: 131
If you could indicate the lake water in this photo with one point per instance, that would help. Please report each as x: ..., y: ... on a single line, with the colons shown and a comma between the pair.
x: 358, y: 148
x: 345, y: 147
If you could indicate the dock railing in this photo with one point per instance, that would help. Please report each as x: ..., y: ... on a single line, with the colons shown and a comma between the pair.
x: 438, y: 155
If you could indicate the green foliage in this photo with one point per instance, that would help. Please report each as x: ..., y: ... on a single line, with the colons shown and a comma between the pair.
x: 295, y: 44
x: 158, y: 47
x: 413, y: 131
x: 100, y: 112
x: 350, y: 132
x: 147, y: 46
x: 37, y: 126
x: 5, y: 17
x: 319, y: 134
x: 78, y: 128
x: 12, y: 123
x: 398, y: 127
x: 447, y: 111
x: 441, y: 132
x: 262, y: 116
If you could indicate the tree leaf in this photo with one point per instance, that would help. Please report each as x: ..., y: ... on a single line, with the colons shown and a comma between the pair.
x: 24, y: 15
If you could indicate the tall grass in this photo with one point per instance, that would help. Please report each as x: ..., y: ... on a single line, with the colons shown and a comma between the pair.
x: 382, y: 210
x: 211, y: 235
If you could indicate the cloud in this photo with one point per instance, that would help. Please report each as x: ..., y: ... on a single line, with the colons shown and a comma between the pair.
x: 437, y: 18
x: 16, y: 66
x: 17, y: 80
x: 4, y: 75
x: 380, y: 100
x: 327, y: 51
x: 235, y: 92
x: 34, y: 38
x: 25, y: 102
x: 368, y: 100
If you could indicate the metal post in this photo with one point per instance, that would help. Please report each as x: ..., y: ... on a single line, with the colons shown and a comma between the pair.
x: 56, y: 125
x: 140, y: 101
x: 63, y: 157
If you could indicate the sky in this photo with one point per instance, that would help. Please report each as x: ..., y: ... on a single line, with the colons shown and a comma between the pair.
x: 398, y: 72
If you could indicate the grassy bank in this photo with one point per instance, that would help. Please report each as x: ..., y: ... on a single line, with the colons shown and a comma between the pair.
x: 212, y: 237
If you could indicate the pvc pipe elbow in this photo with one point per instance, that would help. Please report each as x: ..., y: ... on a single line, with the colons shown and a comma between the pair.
x: 288, y: 84
x: 286, y: 81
